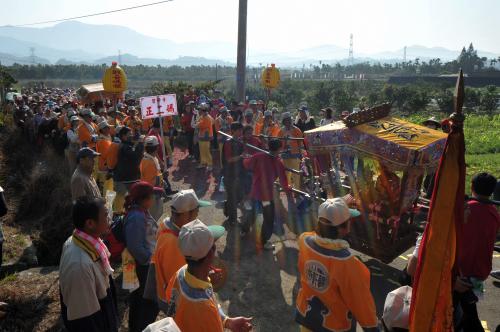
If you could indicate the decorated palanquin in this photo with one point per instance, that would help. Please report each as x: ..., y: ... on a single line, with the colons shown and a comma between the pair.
x: 380, y: 163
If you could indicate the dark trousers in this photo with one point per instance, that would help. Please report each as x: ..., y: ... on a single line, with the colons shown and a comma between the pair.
x: 1, y: 253
x: 190, y: 143
x: 232, y: 187
x: 142, y: 312
x: 469, y: 320
x: 268, y: 223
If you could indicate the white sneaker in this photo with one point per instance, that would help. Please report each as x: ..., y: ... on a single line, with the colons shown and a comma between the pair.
x: 200, y: 166
x: 269, y: 246
x: 209, y: 168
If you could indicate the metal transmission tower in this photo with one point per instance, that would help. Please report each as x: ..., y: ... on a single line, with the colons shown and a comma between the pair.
x: 404, y: 54
x: 241, y: 62
x: 32, y: 55
x: 120, y: 57
x: 351, y: 51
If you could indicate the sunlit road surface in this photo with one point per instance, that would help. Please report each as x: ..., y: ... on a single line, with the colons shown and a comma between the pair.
x: 264, y: 284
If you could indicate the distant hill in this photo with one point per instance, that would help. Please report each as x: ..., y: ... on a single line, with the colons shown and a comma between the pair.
x: 104, y: 40
x: 9, y: 60
x: 77, y: 42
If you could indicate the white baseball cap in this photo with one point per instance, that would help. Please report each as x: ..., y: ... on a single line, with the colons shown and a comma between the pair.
x: 196, y: 239
x: 336, y: 211
x: 397, y: 308
x: 186, y: 200
x: 151, y: 141
x: 103, y: 124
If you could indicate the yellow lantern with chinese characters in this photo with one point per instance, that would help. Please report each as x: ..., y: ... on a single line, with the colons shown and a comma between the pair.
x: 271, y: 77
x: 114, y: 79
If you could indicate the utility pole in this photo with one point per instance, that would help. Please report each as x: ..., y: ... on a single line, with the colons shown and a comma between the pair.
x: 32, y: 56
x: 216, y: 71
x: 242, y: 51
x: 351, y: 51
x: 120, y: 57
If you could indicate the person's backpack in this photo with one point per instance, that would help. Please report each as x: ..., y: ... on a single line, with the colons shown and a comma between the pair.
x: 116, y: 238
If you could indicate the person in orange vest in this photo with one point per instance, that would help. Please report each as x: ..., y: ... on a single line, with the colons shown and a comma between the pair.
x: 192, y: 303
x: 87, y: 131
x: 167, y: 258
x: 103, y: 145
x: 133, y: 121
x: 267, y: 128
x: 113, y: 121
x: 204, y: 124
x: 257, y: 113
x: 146, y: 125
x: 333, y: 281
x: 292, y: 148
x: 249, y: 119
x: 63, y: 123
x: 223, y: 123
x: 151, y: 173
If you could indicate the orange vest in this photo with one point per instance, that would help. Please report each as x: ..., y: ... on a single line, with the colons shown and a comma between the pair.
x: 85, y: 134
x: 167, y: 256
x: 225, y: 127
x: 149, y: 172
x: 292, y: 147
x: 134, y: 123
x: 146, y: 125
x: 192, y: 303
x: 272, y: 130
x: 205, y: 128
x: 333, y: 283
x: 168, y: 123
x: 113, y: 123
x: 102, y: 147
x: 112, y: 155
x: 63, y: 123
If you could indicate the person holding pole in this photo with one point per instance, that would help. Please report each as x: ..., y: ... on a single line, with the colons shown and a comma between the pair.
x: 291, y: 155
x: 265, y: 168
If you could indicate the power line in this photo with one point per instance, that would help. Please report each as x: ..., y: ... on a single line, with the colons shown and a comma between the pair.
x: 95, y: 14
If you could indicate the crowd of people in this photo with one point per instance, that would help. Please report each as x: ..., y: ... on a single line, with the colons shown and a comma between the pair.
x: 120, y: 171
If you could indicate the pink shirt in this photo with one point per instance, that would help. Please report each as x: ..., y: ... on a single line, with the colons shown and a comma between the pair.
x: 265, y: 169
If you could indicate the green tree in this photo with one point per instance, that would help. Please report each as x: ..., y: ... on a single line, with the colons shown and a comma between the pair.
x: 444, y: 100
x: 343, y: 98
x: 320, y: 96
x: 489, y: 99
x: 6, y: 81
x: 472, y: 97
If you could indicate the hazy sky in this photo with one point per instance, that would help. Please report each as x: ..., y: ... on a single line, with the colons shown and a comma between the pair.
x: 282, y: 25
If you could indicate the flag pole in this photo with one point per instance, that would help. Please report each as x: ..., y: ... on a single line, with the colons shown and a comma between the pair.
x: 164, y: 149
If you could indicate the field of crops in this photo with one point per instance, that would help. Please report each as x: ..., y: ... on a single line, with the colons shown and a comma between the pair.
x: 482, y: 143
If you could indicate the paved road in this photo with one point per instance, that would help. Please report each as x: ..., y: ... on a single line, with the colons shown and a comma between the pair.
x: 264, y: 284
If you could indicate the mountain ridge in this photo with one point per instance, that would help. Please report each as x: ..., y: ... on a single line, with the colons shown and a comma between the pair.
x: 78, y: 42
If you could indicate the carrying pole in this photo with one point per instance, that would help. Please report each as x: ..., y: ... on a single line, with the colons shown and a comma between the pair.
x: 291, y: 170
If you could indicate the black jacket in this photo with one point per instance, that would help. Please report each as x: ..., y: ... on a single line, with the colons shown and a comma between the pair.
x: 129, y: 161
